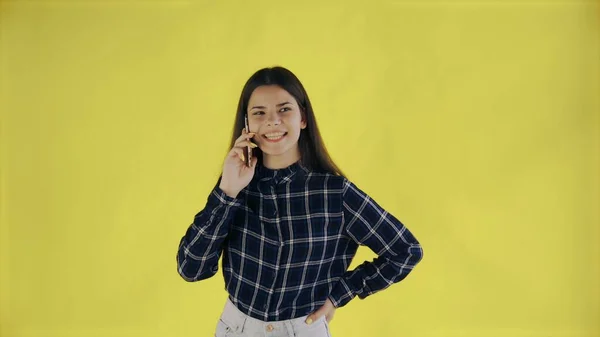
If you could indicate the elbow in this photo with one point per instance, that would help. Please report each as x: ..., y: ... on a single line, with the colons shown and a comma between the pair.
x: 195, y: 278
x: 417, y: 253
x: 191, y: 272
x: 407, y: 261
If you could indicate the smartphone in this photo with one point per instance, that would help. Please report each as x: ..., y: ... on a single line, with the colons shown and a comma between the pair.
x: 249, y: 152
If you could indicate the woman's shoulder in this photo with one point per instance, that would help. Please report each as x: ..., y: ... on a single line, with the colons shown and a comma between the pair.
x: 334, y: 181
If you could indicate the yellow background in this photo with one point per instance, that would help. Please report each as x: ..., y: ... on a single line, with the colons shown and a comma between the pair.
x: 475, y: 122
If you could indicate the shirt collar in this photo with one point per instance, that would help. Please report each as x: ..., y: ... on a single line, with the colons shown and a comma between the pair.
x: 279, y: 175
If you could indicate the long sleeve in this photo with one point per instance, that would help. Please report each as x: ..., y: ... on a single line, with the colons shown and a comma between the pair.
x: 370, y: 225
x: 201, y: 246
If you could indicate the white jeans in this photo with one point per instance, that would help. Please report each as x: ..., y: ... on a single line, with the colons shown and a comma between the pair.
x: 234, y: 323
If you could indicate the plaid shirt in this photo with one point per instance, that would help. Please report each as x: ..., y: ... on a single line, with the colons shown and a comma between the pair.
x: 287, y: 241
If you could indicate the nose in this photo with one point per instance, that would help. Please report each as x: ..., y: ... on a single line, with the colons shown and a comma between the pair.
x: 273, y: 119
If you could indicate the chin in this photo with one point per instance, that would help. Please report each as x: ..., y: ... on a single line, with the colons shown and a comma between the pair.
x: 274, y: 153
x: 275, y: 150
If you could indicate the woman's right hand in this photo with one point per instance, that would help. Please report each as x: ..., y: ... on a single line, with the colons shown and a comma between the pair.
x: 236, y: 175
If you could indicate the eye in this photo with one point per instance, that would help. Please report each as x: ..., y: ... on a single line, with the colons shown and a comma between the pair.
x: 258, y: 113
x: 285, y: 109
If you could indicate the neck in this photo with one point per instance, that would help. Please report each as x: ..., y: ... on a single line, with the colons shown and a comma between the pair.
x: 280, y: 161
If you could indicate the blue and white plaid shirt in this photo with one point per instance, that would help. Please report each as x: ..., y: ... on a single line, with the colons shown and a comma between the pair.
x: 288, y: 239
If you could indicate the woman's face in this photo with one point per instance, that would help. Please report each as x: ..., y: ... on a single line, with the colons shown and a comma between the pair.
x: 275, y: 117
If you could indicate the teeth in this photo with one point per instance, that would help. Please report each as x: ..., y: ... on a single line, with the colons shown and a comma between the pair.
x: 275, y: 135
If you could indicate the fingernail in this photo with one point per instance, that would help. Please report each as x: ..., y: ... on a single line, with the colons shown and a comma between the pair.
x: 243, y: 158
x: 309, y: 321
x: 252, y: 145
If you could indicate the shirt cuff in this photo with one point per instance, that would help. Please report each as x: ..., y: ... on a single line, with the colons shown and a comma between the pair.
x: 218, y: 198
x: 341, y: 294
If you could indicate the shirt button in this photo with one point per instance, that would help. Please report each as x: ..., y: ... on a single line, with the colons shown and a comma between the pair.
x: 270, y: 328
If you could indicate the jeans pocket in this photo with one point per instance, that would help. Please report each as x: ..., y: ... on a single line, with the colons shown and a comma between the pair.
x: 327, y: 331
x: 318, y: 328
x: 223, y: 329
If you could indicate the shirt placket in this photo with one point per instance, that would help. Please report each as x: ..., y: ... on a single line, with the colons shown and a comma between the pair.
x: 275, y: 215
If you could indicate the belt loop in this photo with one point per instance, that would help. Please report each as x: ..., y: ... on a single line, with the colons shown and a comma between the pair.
x: 243, y: 326
x: 290, y: 328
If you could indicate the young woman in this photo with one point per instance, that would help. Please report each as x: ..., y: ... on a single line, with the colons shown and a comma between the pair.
x: 288, y: 223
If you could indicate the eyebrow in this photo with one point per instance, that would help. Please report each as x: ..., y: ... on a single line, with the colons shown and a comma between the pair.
x: 262, y: 107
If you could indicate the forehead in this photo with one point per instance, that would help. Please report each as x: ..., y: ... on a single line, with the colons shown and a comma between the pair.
x: 270, y: 95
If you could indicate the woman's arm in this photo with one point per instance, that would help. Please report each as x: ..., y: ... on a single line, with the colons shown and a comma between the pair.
x: 201, y: 246
x: 397, y: 249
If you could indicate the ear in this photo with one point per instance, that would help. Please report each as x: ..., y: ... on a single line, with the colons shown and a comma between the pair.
x: 303, y: 124
x: 303, y: 120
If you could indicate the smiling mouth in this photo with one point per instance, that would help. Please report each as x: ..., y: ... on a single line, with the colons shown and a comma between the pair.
x: 275, y: 136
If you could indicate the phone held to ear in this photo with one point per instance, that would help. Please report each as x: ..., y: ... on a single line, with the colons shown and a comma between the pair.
x: 248, y: 148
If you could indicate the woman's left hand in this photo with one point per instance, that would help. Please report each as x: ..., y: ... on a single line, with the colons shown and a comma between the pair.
x: 327, y: 310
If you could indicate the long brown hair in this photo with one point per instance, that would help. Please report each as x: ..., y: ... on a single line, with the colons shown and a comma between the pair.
x: 314, y: 155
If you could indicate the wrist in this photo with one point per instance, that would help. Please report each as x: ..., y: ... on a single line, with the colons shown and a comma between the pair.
x: 228, y: 191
